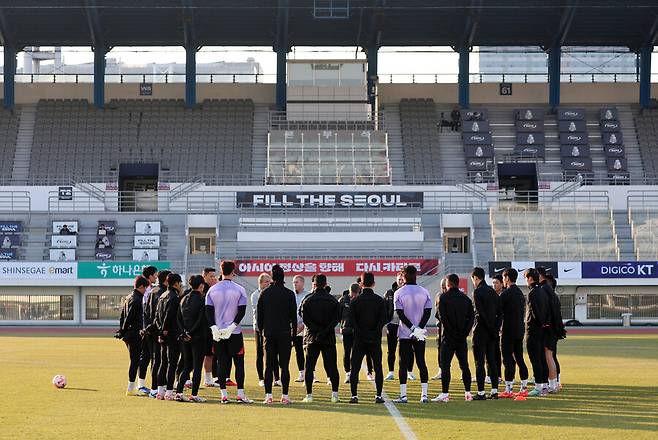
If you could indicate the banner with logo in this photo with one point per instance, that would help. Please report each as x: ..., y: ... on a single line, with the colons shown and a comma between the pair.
x: 11, y: 227
x: 620, y: 269
x: 8, y: 254
x: 329, y: 199
x: 530, y: 114
x: 116, y: 270
x: 104, y: 254
x: 9, y: 241
x: 337, y: 267
x: 146, y: 255
x: 38, y: 271
x: 62, y: 255
x: 147, y: 241
x: 147, y: 228
x: 571, y: 114
x: 106, y: 227
x: 68, y: 226
x: 64, y: 241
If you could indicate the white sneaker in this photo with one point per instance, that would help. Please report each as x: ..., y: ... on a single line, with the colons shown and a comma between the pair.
x: 410, y: 375
x: 315, y: 379
x: 437, y: 377
x: 443, y: 397
x: 370, y: 377
x: 468, y: 397
x: 389, y: 376
x: 424, y: 399
x: 300, y: 378
x: 487, y: 379
x: 261, y: 383
x: 347, y: 377
x: 328, y: 381
x: 277, y: 383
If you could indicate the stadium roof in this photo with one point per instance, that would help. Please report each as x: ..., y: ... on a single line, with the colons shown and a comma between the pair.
x: 456, y: 23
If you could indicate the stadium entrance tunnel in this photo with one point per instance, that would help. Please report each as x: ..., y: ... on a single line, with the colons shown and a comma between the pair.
x: 138, y: 186
x: 519, y: 181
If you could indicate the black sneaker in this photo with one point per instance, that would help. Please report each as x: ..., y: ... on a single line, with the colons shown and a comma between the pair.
x: 493, y: 396
x: 480, y: 397
x: 379, y: 399
x: 354, y: 399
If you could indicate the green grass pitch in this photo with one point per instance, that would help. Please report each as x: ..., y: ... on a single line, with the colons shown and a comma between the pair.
x: 610, y: 391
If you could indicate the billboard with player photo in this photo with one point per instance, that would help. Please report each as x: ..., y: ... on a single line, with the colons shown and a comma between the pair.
x: 62, y: 255
x: 65, y: 227
x: 148, y: 228
x: 146, y: 255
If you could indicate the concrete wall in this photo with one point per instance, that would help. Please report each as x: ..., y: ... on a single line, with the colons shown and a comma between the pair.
x: 485, y: 93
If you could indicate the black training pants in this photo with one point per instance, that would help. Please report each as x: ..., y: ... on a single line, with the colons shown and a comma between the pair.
x: 146, y: 356
x: 227, y: 350
x: 512, y: 356
x: 484, y: 349
x: 134, y: 345
x: 260, y: 357
x: 298, y: 341
x: 329, y: 359
x: 192, y: 353
x: 498, y: 356
x: 392, y: 344
x: 348, y: 350
x: 450, y: 348
x: 537, y: 355
x: 277, y: 355
x: 155, y: 360
x: 372, y: 350
x: 410, y: 348
x: 169, y: 353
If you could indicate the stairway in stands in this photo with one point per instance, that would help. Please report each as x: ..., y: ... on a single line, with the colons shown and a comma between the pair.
x: 259, y: 148
x: 395, y: 150
x: 21, y: 168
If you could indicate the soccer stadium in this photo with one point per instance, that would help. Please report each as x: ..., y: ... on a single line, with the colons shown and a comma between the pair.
x: 206, y: 231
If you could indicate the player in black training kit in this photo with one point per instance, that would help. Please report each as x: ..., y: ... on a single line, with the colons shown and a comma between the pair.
x: 166, y: 322
x: 512, y: 304
x: 485, y: 332
x: 193, y: 325
x: 277, y: 321
x: 537, y: 323
x: 456, y: 318
x: 368, y: 317
x: 151, y: 328
x: 320, y: 312
x: 556, y: 330
x: 146, y: 357
x: 131, y: 330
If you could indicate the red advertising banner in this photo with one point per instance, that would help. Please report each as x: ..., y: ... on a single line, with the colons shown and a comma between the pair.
x: 336, y: 267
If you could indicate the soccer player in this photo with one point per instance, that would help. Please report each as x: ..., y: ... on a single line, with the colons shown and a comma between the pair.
x: 168, y: 332
x: 131, y: 330
x: 457, y: 317
x: 347, y: 331
x: 192, y: 323
x: 485, y: 331
x: 392, y: 330
x: 498, y: 286
x: 444, y: 289
x: 368, y: 317
x: 320, y: 312
x: 210, y: 360
x: 512, y: 304
x: 556, y: 330
x: 226, y: 305
x: 151, y: 329
x: 414, y: 307
x: 537, y: 321
x: 298, y: 340
x: 150, y: 273
x: 277, y: 322
x: 264, y: 281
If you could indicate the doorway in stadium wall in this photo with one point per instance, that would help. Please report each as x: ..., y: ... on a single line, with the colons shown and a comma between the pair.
x: 456, y: 240
x: 518, y: 182
x: 138, y: 187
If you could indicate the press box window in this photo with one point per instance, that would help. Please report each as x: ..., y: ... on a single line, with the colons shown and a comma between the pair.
x: 103, y: 307
x: 36, y: 307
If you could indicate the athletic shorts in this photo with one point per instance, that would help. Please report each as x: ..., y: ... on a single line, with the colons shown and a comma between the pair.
x: 233, y: 346
x: 550, y: 341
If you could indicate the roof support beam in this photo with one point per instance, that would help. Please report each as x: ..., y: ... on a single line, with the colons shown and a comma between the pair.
x: 281, y: 47
x: 645, y: 76
x: 652, y: 37
x: 9, y: 72
x: 472, y: 21
x: 565, y: 23
x: 100, y: 50
x: 191, y: 48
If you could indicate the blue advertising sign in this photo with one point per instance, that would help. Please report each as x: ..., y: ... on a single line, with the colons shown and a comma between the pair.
x: 620, y: 269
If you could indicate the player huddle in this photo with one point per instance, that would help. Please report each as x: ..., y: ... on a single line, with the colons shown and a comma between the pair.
x: 180, y: 332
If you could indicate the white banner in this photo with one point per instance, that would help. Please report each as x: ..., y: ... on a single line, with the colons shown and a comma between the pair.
x: 147, y: 241
x: 64, y: 241
x: 38, y: 271
x: 62, y: 255
x: 70, y: 226
x: 147, y: 228
x: 569, y: 270
x: 146, y: 255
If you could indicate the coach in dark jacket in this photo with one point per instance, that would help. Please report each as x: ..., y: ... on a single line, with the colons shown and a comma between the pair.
x: 320, y: 312
x: 277, y: 320
x: 512, y: 305
x: 166, y: 321
x: 456, y: 318
x: 485, y: 332
x: 193, y: 325
x: 537, y: 323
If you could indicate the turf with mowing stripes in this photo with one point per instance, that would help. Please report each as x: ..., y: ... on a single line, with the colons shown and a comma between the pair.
x: 609, y: 391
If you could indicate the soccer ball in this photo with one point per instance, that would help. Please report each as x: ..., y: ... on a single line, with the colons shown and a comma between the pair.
x: 59, y: 381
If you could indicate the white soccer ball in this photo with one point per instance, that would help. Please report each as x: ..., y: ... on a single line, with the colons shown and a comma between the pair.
x: 59, y: 381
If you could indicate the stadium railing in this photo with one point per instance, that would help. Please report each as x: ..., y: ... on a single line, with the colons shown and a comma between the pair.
x: 15, y: 201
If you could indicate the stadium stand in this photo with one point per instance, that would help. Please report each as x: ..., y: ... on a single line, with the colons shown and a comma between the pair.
x: 8, y: 135
x: 647, y: 134
x: 73, y: 138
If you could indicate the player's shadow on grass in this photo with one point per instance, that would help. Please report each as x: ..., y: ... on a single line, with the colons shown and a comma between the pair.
x: 581, y: 406
x: 80, y: 389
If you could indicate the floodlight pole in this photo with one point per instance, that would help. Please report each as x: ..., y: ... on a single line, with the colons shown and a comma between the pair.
x: 10, y: 77
x: 645, y: 76
x: 554, y: 60
x: 99, y: 76
x: 463, y: 77
x: 281, y: 66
